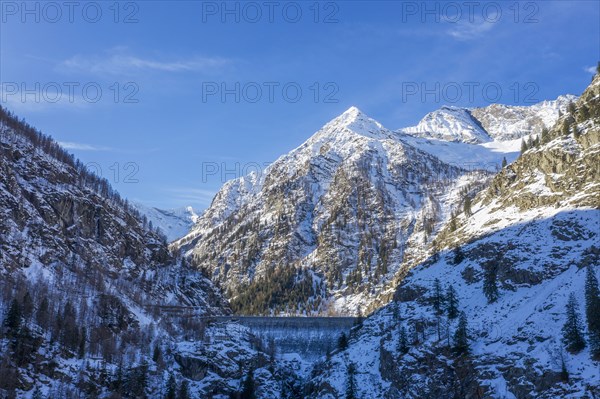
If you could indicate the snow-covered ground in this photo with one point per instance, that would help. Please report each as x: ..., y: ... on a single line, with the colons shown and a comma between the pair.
x: 522, y: 330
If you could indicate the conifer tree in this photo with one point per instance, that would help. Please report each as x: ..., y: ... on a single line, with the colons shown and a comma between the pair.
x: 461, y: 336
x: 118, y: 379
x: 12, y: 321
x: 403, y: 347
x: 490, y: 283
x: 566, y: 128
x: 82, y: 338
x: 504, y: 163
x: 342, y: 342
x: 572, y: 331
x: 452, y: 221
x: 136, y: 380
x: 584, y: 112
x: 171, y: 388
x: 523, y: 146
x: 438, y: 296
x: 350, y: 381
x: 458, y: 255
x: 156, y: 353
x: 70, y: 332
x: 451, y: 303
x: 467, y: 206
x: 27, y: 306
x: 184, y: 390
x: 544, y: 136
x: 248, y: 391
x: 42, y: 316
x: 592, y: 311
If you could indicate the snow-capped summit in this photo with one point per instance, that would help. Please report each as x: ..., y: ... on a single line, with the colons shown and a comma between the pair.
x: 354, y: 122
x: 352, y: 112
x: 355, y: 117
x: 450, y: 124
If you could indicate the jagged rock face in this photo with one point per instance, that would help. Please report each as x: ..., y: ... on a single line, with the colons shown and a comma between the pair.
x: 347, y: 207
x: 44, y: 206
x: 223, y: 358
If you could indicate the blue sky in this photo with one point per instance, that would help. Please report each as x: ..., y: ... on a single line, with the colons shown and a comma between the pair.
x: 168, y: 120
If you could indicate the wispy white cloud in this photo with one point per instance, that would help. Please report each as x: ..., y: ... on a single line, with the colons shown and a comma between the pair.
x: 466, y: 30
x: 69, y: 145
x: 591, y: 70
x: 120, y: 61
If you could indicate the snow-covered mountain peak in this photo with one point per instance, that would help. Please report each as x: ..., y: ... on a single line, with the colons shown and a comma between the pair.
x: 352, y: 112
x: 450, y: 123
x: 354, y: 121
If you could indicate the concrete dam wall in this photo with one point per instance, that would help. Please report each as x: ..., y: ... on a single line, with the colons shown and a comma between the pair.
x: 309, y: 337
